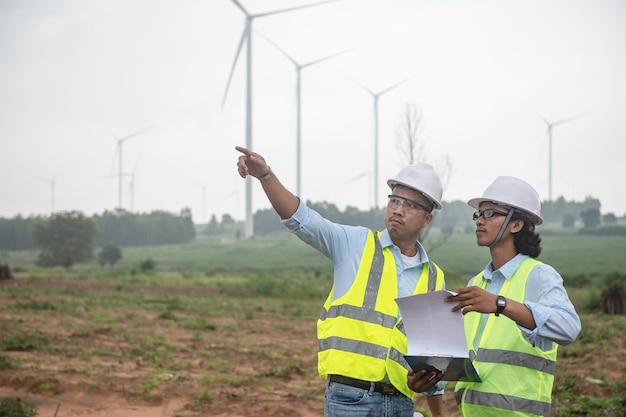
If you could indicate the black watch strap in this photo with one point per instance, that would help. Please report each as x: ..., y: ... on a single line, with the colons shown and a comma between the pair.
x: 500, y: 305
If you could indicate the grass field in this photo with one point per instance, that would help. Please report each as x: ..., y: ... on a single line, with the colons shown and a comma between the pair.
x: 227, y: 328
x: 583, y: 261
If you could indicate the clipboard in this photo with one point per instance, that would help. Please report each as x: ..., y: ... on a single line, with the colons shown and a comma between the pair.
x: 453, y: 369
x: 436, y: 338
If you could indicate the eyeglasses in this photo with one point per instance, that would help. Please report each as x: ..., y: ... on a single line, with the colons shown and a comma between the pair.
x: 487, y: 214
x: 411, y: 206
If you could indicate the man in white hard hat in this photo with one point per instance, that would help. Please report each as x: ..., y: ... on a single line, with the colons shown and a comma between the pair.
x: 361, y: 339
x: 516, y: 311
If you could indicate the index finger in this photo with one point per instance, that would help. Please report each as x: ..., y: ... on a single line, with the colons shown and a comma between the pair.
x: 463, y: 290
x: 243, y: 150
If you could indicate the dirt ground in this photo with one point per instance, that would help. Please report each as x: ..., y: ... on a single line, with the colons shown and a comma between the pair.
x: 248, y: 358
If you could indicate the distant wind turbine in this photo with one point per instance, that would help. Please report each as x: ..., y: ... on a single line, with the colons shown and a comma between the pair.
x: 358, y: 177
x: 52, y: 182
x: 246, y: 37
x: 118, y: 151
x: 299, y: 68
x: 376, y: 97
x: 550, y: 126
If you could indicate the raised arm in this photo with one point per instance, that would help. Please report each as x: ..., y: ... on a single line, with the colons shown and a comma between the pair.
x: 251, y: 163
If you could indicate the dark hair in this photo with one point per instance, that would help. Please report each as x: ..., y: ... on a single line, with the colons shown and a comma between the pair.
x: 527, y: 241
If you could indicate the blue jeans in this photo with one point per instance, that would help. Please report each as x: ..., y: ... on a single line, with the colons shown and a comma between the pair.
x: 345, y: 401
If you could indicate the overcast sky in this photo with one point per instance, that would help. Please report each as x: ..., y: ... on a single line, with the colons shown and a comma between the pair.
x: 78, y: 75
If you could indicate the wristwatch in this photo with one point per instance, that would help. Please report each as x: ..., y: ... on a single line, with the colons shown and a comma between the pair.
x: 500, y: 305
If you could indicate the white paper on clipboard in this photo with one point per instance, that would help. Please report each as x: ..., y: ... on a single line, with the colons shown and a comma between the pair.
x: 436, y: 337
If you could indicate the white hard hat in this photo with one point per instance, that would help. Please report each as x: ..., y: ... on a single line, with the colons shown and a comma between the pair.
x: 512, y: 192
x: 422, y: 178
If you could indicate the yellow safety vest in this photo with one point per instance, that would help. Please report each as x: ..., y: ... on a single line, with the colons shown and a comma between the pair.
x: 360, y: 334
x: 517, y: 377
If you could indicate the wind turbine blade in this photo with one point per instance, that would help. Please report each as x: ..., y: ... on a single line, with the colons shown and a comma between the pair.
x: 396, y: 84
x: 569, y: 119
x: 117, y: 149
x: 292, y: 8
x: 361, y: 85
x: 327, y: 57
x: 111, y: 133
x: 289, y: 57
x: 232, y: 70
x: 361, y: 175
x: 241, y: 7
x: 132, y: 135
x: 281, y: 50
x: 536, y: 112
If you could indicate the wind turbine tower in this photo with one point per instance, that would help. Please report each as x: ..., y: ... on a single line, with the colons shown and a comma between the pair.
x: 246, y: 37
x: 299, y: 68
x: 550, y: 126
x: 376, y: 97
x: 52, y: 182
x: 118, y: 150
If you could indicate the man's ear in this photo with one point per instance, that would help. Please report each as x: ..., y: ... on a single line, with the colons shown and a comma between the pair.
x: 427, y: 219
x: 517, y: 225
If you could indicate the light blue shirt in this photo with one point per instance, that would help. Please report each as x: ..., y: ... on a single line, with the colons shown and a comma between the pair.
x: 344, y: 245
x: 547, y: 299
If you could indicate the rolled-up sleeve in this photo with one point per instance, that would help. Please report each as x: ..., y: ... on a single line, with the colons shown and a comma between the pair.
x: 337, y: 241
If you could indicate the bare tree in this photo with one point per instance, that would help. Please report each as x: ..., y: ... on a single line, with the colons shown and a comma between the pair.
x: 409, y: 134
x: 411, y: 150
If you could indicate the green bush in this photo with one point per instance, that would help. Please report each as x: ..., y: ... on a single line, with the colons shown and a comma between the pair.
x: 147, y: 265
x: 17, y: 408
x: 7, y: 362
x: 24, y: 342
x: 110, y: 254
x: 612, y: 297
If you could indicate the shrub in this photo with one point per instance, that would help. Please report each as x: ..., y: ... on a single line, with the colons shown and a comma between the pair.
x: 110, y: 254
x: 10, y: 407
x: 147, y: 265
x: 24, y: 342
x: 612, y: 297
x: 7, y: 362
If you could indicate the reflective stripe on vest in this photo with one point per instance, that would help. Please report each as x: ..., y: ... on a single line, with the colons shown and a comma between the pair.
x: 359, y: 334
x: 517, y: 377
x: 497, y: 403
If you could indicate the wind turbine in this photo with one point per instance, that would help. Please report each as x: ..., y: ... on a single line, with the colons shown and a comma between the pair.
x: 376, y: 97
x: 246, y: 37
x: 52, y: 182
x: 299, y: 68
x: 550, y: 126
x: 118, y: 151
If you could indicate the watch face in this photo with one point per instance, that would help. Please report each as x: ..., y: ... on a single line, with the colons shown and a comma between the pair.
x: 501, y: 302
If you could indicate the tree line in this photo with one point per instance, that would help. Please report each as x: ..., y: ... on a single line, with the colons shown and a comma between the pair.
x: 455, y: 215
x: 160, y: 228
x: 119, y: 226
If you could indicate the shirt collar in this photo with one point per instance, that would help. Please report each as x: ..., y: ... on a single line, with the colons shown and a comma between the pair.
x: 508, y: 269
x: 385, y: 242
